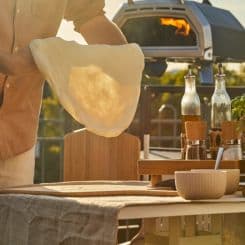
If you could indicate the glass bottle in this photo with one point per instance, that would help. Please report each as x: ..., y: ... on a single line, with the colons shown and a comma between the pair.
x: 220, y: 111
x: 221, y: 102
x: 190, y: 107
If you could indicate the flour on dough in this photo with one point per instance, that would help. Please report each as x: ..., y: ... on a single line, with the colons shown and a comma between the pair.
x: 99, y: 85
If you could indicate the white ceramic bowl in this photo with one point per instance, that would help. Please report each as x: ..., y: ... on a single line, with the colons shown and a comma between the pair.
x: 232, y: 179
x: 203, y: 184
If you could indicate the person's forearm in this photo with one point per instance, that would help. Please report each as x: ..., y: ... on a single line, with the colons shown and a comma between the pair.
x: 100, y: 30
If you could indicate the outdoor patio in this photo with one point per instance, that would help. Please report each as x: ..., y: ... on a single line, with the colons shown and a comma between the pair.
x: 141, y: 140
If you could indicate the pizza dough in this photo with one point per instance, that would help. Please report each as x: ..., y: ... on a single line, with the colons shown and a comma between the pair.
x: 99, y: 85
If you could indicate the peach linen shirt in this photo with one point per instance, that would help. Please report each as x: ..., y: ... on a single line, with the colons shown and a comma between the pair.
x: 21, y: 21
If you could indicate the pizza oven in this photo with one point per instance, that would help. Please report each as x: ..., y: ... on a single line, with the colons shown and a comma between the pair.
x: 180, y: 31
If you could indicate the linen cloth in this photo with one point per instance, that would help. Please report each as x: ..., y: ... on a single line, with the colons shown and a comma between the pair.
x: 29, y: 219
x: 20, y: 96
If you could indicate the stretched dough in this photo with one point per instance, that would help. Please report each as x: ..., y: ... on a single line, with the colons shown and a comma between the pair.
x: 99, y: 85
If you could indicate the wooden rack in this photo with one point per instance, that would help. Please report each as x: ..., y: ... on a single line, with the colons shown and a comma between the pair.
x: 157, y: 168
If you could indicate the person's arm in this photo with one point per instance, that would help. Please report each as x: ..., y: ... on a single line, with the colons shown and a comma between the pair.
x: 17, y: 63
x: 100, y: 30
x: 89, y: 20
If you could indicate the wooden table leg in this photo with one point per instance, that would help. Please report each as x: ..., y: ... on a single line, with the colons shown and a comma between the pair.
x: 234, y: 229
x: 149, y: 225
x: 151, y: 236
x: 190, y: 226
x: 175, y: 230
x: 155, y: 179
x: 216, y: 223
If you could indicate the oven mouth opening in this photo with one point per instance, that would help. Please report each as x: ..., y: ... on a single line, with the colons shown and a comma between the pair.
x: 160, y: 31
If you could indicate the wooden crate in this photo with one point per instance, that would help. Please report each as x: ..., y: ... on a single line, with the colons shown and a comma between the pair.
x: 156, y: 168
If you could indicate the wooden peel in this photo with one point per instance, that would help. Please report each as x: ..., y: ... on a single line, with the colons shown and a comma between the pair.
x: 89, y: 190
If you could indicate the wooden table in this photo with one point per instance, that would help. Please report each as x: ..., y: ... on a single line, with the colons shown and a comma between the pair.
x: 176, y: 214
x: 223, y: 226
x: 177, y: 207
x: 182, y: 222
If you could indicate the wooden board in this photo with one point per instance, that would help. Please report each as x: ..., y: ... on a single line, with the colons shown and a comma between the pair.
x: 161, y: 167
x: 89, y: 190
x: 91, y: 157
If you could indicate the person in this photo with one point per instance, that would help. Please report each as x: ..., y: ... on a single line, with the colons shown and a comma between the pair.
x: 21, y: 83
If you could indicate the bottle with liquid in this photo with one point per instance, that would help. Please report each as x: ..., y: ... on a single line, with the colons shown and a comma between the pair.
x: 190, y: 107
x: 220, y: 111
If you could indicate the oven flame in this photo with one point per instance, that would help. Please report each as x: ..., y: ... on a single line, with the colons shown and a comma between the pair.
x: 183, y: 27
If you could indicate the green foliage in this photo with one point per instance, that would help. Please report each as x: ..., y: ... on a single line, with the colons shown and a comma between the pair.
x: 51, y: 108
x: 52, y: 116
x: 173, y: 78
x: 233, y: 78
x: 49, y: 163
x: 238, y: 107
x: 51, y: 125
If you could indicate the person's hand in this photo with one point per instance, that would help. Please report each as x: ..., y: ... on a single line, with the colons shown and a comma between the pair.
x: 18, y: 63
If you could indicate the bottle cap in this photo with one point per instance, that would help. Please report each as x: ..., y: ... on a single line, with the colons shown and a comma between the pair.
x: 196, y: 130
x: 189, y: 74
x: 220, y: 71
x: 230, y: 130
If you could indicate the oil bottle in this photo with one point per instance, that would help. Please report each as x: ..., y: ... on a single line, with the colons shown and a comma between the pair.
x: 220, y: 111
x: 190, y: 107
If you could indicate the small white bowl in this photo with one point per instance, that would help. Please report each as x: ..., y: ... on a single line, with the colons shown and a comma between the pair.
x: 232, y: 179
x: 201, y: 184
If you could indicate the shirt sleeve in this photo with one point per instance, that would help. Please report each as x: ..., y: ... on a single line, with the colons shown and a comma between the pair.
x: 81, y: 11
